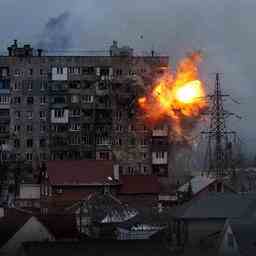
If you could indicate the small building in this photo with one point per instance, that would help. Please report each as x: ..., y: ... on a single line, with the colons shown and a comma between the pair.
x: 65, y: 182
x: 17, y: 227
x: 203, y: 185
x: 205, y: 217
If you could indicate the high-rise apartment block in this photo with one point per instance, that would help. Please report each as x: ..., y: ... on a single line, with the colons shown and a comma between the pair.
x: 80, y: 107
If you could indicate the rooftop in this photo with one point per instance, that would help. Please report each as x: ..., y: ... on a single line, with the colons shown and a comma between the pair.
x: 80, y: 172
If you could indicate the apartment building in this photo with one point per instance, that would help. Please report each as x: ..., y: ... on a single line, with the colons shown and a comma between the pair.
x: 80, y: 107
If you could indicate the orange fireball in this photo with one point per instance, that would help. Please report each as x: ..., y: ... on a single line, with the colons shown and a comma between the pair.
x: 178, y: 96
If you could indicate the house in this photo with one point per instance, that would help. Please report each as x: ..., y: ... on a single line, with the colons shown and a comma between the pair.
x: 204, y: 217
x: 146, y: 223
x: 18, y: 226
x: 139, y: 190
x: 66, y: 182
x: 97, y: 247
x: 202, y: 185
x: 100, y: 212
x: 238, y: 238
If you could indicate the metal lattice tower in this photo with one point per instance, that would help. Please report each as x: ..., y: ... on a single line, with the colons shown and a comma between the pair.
x: 218, y: 159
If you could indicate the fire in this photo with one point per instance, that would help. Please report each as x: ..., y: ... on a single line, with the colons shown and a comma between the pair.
x: 189, y: 92
x: 177, y: 96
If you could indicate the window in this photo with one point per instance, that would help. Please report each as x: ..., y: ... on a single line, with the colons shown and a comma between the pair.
x: 88, y: 70
x: 102, y: 140
x: 42, y: 143
x: 74, y: 98
x: 103, y: 155
x: 16, y: 143
x: 87, y: 99
x: 59, y: 100
x: 117, y: 141
x: 58, y: 113
x: 119, y: 128
x: 43, y: 156
x: 29, y: 143
x: 74, y: 140
x: 17, y: 72
x: 74, y: 127
x: 144, y: 156
x: 143, y: 142
x: 42, y: 127
x: 230, y: 240
x: 4, y: 99
x: 118, y: 72
x: 43, y: 85
x: 17, y: 114
x: 75, y: 112
x: 30, y: 100
x: 42, y: 114
x: 74, y: 70
x: 31, y: 71
x: 86, y: 140
x: 41, y: 71
x: 118, y: 116
x: 160, y: 155
x: 16, y: 128
x: 29, y: 114
x: 17, y: 86
x: 131, y: 170
x: 16, y: 100
x: 29, y: 128
x: 30, y: 85
x: 42, y: 99
x: 131, y: 127
x: 29, y: 156
x: 4, y: 128
x: 144, y: 169
x: 60, y: 70
x: 219, y: 187
x: 4, y: 84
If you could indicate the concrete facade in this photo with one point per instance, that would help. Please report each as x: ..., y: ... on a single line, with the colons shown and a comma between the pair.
x: 81, y: 107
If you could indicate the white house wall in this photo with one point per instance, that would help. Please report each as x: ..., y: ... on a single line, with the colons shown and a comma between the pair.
x: 29, y: 191
x: 32, y: 230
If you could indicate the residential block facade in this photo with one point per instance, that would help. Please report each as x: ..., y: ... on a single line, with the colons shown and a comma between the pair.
x: 80, y: 107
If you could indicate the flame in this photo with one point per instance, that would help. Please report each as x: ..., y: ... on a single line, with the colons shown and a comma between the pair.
x: 178, y: 96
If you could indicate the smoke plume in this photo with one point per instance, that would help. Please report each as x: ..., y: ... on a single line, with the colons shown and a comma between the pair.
x: 57, y: 33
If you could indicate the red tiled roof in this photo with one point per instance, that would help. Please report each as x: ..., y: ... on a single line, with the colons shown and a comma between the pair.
x: 141, y: 184
x: 79, y: 172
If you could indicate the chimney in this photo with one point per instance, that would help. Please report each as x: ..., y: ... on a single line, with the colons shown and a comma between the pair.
x: 15, y: 43
x: 116, y: 172
x: 10, y: 51
x: 39, y: 52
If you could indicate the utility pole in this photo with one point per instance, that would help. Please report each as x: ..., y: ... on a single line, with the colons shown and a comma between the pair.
x: 218, y: 154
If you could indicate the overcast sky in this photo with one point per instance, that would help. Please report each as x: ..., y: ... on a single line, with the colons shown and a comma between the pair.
x: 224, y: 30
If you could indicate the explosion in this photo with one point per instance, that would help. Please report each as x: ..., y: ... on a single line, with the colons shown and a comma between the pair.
x: 178, y: 96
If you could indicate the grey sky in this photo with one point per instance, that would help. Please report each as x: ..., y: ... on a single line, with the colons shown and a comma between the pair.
x: 224, y: 30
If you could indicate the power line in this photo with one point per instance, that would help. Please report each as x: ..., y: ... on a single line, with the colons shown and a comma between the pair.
x: 219, y: 152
